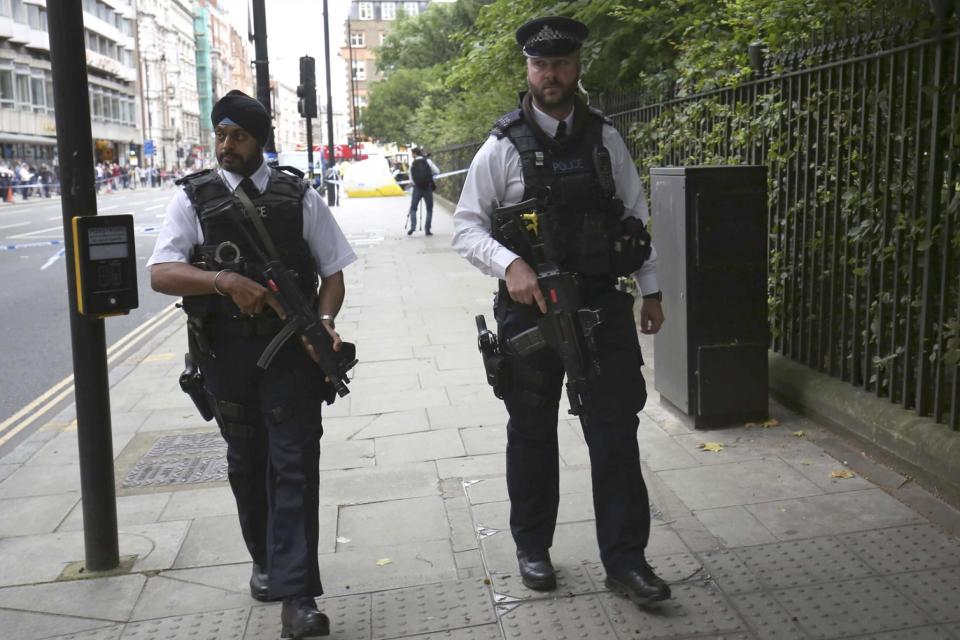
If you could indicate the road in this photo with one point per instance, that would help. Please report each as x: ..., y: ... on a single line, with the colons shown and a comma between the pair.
x: 35, y: 333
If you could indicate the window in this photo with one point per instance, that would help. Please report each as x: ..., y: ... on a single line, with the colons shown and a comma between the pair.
x: 359, y: 70
x: 5, y: 8
x: 357, y: 39
x: 364, y: 10
x: 7, y: 97
x: 38, y: 94
x: 48, y: 84
x: 23, y: 90
x: 18, y: 11
x: 388, y: 10
x: 411, y: 8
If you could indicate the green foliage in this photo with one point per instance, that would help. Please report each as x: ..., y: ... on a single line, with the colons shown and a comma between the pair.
x: 394, y: 101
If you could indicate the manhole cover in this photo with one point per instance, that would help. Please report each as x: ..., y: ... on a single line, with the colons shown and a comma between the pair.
x: 180, y: 459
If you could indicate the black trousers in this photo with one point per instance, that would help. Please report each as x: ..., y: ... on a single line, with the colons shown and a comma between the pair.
x: 272, y: 424
x: 609, y: 422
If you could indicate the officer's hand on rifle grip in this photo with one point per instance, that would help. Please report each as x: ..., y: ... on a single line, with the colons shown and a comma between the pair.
x: 523, y: 286
x: 249, y: 296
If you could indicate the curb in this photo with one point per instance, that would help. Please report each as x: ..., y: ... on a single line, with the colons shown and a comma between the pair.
x: 919, y: 447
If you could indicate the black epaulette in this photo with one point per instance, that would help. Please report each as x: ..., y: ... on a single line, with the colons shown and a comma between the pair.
x: 505, y: 122
x: 193, y: 176
x: 596, y: 112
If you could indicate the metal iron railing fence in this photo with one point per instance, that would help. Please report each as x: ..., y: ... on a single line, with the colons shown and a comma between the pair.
x: 860, y: 136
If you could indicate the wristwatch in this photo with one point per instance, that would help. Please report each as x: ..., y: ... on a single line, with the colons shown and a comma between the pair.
x: 658, y: 296
x: 330, y: 318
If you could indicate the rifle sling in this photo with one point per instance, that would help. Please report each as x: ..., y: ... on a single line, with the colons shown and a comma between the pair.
x: 254, y: 218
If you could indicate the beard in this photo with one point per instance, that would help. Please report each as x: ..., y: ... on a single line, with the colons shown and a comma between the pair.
x: 237, y: 163
x: 560, y: 97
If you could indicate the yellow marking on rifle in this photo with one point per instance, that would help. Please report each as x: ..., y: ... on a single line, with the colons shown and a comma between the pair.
x: 532, y: 220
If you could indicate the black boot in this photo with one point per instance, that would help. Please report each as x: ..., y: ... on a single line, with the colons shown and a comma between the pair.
x: 536, y: 570
x: 640, y: 584
x: 259, y: 584
x: 300, y: 619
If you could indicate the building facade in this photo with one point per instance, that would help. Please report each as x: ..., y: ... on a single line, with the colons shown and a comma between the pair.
x: 368, y: 24
x: 289, y: 127
x: 168, y: 68
x: 27, y: 123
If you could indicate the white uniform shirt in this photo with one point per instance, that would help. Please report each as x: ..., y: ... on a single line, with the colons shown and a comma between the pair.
x: 496, y: 179
x: 181, y: 229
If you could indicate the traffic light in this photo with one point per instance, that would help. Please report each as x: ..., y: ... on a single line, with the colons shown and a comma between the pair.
x: 307, y: 91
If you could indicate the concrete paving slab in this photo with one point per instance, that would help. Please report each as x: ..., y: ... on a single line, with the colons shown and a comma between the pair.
x: 902, y: 549
x: 24, y: 625
x: 212, y: 540
x: 573, y: 544
x: 767, y: 618
x: 226, y: 577
x: 197, y: 503
x: 357, y: 571
x: 817, y: 468
x: 727, y: 485
x: 340, y: 428
x: 104, y: 633
x: 163, y: 597
x: 474, y: 414
x: 359, y: 486
x: 832, y: 513
x: 6, y: 470
x: 384, y: 348
x: 390, y: 400
x: 486, y: 490
x: 418, y: 447
x: 389, y: 368
x: 800, y: 563
x: 573, y: 449
x: 452, y: 377
x: 40, y: 514
x: 102, y: 598
x: 346, y: 454
x: 472, y: 466
x: 182, y: 417
x: 823, y: 611
x: 576, y: 507
x: 735, y: 526
x: 489, y: 439
x: 394, y: 522
x: 431, y: 608
x: 394, y: 423
x: 492, y: 515
x: 467, y: 393
x: 41, y: 480
x: 581, y: 617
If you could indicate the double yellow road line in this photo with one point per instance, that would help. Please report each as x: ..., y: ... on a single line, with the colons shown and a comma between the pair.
x: 52, y: 397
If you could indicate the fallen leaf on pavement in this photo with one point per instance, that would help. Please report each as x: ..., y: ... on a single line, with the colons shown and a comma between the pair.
x: 716, y: 447
x: 750, y: 425
x: 799, y: 434
x: 342, y: 540
x: 383, y: 561
x: 843, y: 474
x: 772, y: 422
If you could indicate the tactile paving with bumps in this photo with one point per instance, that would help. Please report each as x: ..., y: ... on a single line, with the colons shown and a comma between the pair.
x: 431, y: 608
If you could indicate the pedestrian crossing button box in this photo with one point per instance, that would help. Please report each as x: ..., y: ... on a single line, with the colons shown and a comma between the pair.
x: 106, y: 265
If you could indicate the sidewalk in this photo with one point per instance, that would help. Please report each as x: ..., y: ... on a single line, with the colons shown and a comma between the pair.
x: 758, y: 539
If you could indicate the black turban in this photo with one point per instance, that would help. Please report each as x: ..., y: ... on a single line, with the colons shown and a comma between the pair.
x: 240, y: 109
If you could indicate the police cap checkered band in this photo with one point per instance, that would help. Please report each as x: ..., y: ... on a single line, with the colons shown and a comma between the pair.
x: 551, y: 36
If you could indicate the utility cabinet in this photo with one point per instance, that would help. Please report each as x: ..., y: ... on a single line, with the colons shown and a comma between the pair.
x: 710, y: 231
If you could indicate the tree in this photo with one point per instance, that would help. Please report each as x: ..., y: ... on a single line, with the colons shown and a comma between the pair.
x: 393, y: 102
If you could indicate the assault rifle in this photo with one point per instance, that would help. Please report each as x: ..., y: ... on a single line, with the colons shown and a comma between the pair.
x: 567, y: 327
x: 301, y: 318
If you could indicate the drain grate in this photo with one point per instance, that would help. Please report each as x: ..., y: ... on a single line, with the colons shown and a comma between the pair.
x: 180, y: 459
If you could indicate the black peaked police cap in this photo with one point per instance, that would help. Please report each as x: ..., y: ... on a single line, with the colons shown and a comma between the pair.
x: 551, y: 36
x: 247, y: 113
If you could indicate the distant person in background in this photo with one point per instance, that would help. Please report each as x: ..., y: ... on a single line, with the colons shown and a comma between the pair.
x: 422, y: 173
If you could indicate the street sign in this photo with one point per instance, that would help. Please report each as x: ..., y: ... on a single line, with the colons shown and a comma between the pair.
x: 148, y: 149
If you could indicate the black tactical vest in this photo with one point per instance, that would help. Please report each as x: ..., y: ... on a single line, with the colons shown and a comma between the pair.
x: 225, y: 246
x: 586, y: 212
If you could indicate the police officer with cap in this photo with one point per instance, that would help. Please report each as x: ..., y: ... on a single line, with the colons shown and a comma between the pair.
x: 548, y: 149
x: 270, y: 419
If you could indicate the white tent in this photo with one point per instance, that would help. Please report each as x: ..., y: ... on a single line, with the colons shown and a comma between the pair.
x: 370, y: 178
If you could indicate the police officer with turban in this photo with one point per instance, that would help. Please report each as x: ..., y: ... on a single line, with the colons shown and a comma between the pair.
x: 270, y: 418
x: 548, y: 149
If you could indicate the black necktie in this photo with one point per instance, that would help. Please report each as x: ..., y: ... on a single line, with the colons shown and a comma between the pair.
x: 249, y: 188
x: 561, y: 130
